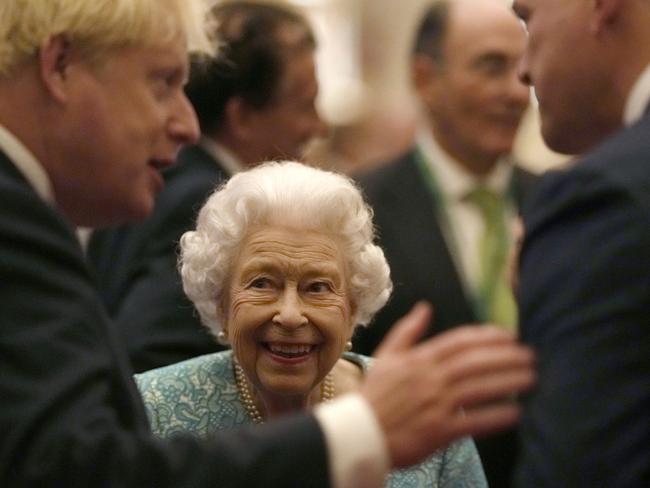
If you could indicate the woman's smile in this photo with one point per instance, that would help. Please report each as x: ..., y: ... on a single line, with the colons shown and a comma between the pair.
x: 284, y: 351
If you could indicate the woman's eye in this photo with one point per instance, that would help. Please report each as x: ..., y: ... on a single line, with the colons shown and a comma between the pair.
x: 260, y: 283
x: 319, y: 287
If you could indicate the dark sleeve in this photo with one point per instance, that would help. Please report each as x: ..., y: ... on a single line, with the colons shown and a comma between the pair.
x: 157, y: 321
x: 159, y: 324
x: 70, y: 414
x: 585, y: 307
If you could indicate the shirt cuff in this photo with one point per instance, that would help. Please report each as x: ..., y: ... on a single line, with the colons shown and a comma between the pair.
x: 356, y: 444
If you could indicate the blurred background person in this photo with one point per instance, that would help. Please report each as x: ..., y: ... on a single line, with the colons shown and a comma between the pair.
x: 295, y: 252
x: 255, y: 102
x: 445, y: 208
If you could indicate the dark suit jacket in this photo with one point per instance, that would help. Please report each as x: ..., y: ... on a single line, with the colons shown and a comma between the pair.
x: 585, y: 308
x: 137, y: 272
x: 70, y: 414
x: 410, y: 232
x: 422, y: 268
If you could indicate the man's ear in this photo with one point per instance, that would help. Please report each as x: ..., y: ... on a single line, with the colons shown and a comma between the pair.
x: 239, y: 117
x: 54, y: 61
x: 605, y: 13
x: 425, y: 74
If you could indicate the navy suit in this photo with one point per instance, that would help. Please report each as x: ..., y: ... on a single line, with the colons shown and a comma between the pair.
x: 407, y: 216
x: 70, y: 414
x: 137, y: 272
x: 585, y: 308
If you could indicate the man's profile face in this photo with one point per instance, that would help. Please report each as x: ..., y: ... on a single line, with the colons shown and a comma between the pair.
x: 285, y: 126
x: 127, y: 119
x: 474, y: 97
x: 569, y: 72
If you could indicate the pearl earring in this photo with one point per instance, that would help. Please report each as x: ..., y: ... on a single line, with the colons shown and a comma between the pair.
x: 222, y: 338
x: 348, y: 346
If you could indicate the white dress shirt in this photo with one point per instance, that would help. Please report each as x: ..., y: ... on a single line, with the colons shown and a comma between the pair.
x: 229, y: 161
x: 638, y: 99
x: 27, y: 164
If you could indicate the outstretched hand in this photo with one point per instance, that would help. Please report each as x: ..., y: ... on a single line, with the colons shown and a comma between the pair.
x: 453, y: 385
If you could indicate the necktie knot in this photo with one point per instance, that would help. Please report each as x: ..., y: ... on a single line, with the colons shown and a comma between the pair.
x: 490, y: 203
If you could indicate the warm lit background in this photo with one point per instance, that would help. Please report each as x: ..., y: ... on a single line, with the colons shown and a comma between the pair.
x: 365, y: 87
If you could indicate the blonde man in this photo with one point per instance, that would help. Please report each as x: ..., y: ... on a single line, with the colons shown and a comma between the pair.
x: 91, y: 109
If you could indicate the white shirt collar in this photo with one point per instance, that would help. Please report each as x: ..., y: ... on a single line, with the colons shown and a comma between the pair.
x: 27, y: 164
x: 228, y: 160
x: 638, y: 99
x: 453, y: 179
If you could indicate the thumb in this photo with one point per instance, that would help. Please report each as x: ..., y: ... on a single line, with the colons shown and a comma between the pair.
x: 406, y: 331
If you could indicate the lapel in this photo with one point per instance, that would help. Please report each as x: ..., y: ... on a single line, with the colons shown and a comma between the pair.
x: 38, y: 209
x: 418, y: 250
x: 522, y: 187
x: 9, y: 169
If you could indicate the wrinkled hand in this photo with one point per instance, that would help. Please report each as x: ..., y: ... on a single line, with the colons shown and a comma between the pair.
x: 450, y: 386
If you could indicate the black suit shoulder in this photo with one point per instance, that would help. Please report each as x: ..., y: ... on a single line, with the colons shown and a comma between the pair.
x: 387, y: 182
x: 136, y: 268
x: 187, y: 186
x: 584, y: 297
x: 384, y: 175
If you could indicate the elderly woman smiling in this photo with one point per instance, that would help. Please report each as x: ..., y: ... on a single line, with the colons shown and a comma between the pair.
x: 283, y: 267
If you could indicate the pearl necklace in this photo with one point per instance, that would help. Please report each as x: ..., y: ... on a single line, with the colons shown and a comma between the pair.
x: 326, y: 393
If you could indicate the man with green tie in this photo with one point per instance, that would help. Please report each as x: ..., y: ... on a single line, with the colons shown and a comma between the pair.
x: 445, y: 209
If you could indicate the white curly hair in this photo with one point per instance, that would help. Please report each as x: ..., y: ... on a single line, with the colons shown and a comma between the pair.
x: 289, y: 194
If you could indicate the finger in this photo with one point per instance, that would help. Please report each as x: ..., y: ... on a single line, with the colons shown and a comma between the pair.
x: 407, y: 331
x: 491, y: 388
x: 461, y: 339
x: 487, y: 359
x: 486, y: 420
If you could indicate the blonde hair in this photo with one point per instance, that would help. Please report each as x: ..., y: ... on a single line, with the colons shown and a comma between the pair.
x: 290, y: 194
x: 98, y: 26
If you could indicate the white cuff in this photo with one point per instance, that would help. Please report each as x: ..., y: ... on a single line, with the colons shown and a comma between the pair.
x: 355, y: 442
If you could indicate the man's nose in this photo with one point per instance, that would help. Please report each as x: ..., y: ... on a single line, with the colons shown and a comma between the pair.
x: 523, y: 72
x: 184, y: 125
x: 290, y: 313
x: 518, y: 91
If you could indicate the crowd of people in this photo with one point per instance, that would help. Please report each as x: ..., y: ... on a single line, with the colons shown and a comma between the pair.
x: 157, y: 123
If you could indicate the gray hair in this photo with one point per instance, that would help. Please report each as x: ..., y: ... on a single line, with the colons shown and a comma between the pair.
x: 289, y: 194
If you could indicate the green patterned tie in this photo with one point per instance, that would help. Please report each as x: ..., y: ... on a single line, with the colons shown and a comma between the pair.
x: 496, y: 301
